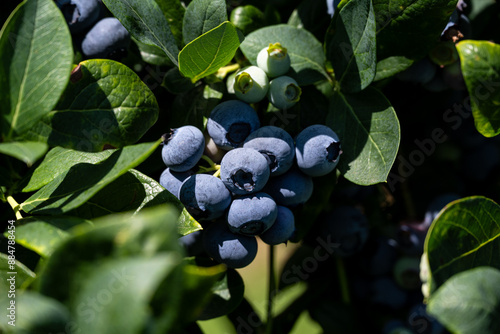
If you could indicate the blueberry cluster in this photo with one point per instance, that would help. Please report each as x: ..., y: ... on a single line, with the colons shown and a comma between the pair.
x: 268, y: 79
x: 263, y: 174
x: 96, y: 34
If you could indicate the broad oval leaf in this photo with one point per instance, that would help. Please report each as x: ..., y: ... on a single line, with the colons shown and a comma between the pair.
x: 480, y: 63
x: 146, y: 22
x: 173, y: 10
x: 202, y: 16
x: 469, y: 302
x: 105, y: 105
x: 27, y: 151
x: 133, y: 191
x: 306, y: 52
x: 465, y: 235
x: 32, y: 74
x: 70, y: 190
x: 369, y: 133
x: 42, y: 234
x: 209, y: 52
x: 410, y: 28
x: 350, y: 45
x: 57, y: 161
x: 388, y: 67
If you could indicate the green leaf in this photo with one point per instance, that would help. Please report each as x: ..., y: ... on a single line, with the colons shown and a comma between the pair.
x: 41, y: 314
x: 306, y: 52
x: 465, y: 235
x: 28, y: 152
x: 126, y: 302
x: 32, y: 75
x: 11, y: 267
x: 42, y: 234
x: 369, y: 133
x: 187, y: 224
x: 144, y: 235
x: 469, y: 302
x: 202, y: 16
x: 152, y: 55
x: 480, y: 63
x: 58, y: 161
x: 226, y: 294
x: 410, y: 28
x: 209, y: 52
x: 173, y: 10
x: 388, y: 67
x: 350, y: 45
x: 106, y: 104
x: 133, y: 191
x: 70, y: 190
x: 146, y: 22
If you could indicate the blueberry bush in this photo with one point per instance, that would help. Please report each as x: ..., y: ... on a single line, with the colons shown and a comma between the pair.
x: 152, y: 150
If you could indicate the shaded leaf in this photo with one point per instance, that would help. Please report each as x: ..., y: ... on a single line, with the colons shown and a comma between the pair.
x: 146, y: 22
x: 369, y: 133
x: 32, y: 75
x: 28, y: 152
x: 469, y: 302
x: 12, y: 267
x: 173, y: 10
x: 106, y: 105
x: 133, y: 191
x: 480, y: 63
x: 350, y: 45
x: 209, y: 52
x: 388, y: 67
x: 57, y: 161
x: 397, y: 31
x: 202, y: 16
x: 306, y: 52
x: 465, y: 235
x: 69, y: 190
x: 43, y: 234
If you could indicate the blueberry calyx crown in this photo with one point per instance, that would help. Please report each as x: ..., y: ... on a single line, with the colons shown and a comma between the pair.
x: 243, y: 180
x: 271, y: 160
x: 334, y: 151
x: 243, y: 82
x: 166, y: 137
x: 276, y: 50
x: 293, y: 92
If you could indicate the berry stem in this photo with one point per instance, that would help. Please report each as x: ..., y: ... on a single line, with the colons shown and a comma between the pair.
x: 344, y: 287
x: 271, y: 291
x: 15, y: 206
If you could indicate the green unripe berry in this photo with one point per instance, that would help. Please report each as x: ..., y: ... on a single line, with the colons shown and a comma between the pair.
x: 251, y: 84
x: 274, y: 60
x: 284, y: 92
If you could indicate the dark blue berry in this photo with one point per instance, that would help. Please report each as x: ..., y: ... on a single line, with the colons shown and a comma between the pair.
x: 252, y: 214
x: 231, y: 122
x: 79, y: 14
x: 234, y: 250
x: 282, y: 229
x: 192, y: 243
x: 317, y: 149
x: 244, y: 171
x: 276, y: 145
x: 290, y: 189
x: 172, y: 181
x: 183, y: 148
x: 106, y: 37
x: 204, y: 196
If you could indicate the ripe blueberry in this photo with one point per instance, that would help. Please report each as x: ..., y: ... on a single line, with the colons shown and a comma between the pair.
x: 276, y: 145
x: 234, y: 250
x: 317, y: 149
x: 290, y: 189
x: 244, y: 171
x: 252, y: 214
x: 106, y: 37
x: 79, y: 14
x: 231, y: 122
x: 204, y: 196
x: 282, y: 229
x: 183, y: 148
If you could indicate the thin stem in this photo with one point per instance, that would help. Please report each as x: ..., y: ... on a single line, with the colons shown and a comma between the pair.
x: 344, y: 287
x: 271, y: 291
x: 217, y: 172
x: 15, y: 206
x: 210, y: 161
